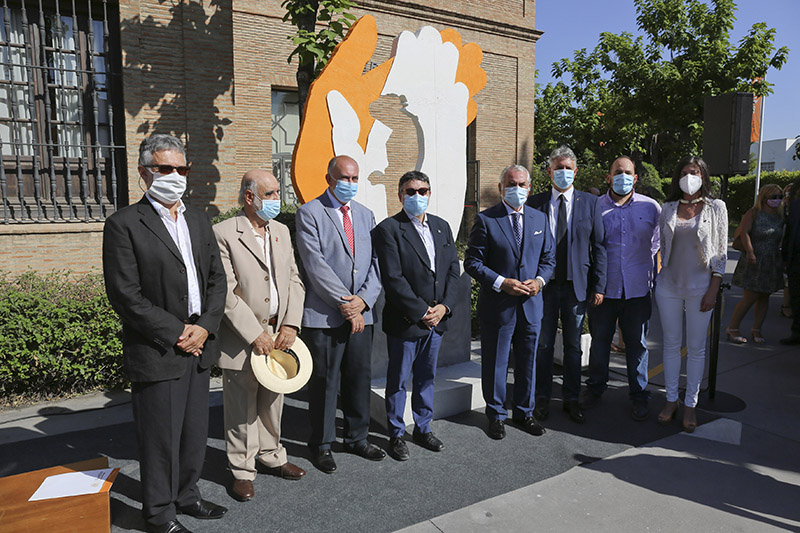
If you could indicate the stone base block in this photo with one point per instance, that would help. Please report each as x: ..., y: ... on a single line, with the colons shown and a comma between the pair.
x: 457, y: 389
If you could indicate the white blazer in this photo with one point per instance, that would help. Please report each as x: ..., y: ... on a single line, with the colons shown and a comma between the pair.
x: 712, y: 232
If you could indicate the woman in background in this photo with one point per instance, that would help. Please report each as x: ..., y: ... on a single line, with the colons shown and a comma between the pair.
x: 694, y: 248
x: 759, y: 270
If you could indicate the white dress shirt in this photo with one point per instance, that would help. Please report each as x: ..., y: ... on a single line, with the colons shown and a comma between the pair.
x: 266, y: 247
x: 569, y: 194
x: 424, y: 231
x: 179, y: 232
x: 338, y: 206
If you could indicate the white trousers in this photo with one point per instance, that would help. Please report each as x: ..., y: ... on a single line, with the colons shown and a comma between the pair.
x: 673, y: 305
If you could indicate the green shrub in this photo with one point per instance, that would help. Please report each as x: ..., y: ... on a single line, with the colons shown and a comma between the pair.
x: 58, y: 336
x: 742, y: 191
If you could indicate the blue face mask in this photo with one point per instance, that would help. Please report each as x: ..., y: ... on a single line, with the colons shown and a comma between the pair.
x: 345, y: 190
x: 269, y: 209
x: 515, y: 196
x: 622, y: 184
x: 563, y: 178
x: 415, y: 205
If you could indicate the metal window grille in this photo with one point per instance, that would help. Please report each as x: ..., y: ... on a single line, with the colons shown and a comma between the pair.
x: 60, y: 120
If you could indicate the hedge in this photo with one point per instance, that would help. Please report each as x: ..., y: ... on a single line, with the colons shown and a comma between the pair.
x: 58, y: 336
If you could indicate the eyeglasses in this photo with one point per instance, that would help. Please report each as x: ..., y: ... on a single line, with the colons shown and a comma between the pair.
x: 169, y: 169
x: 775, y: 197
x: 422, y: 191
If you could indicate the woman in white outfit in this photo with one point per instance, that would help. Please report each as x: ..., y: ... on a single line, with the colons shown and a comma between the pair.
x: 694, y: 249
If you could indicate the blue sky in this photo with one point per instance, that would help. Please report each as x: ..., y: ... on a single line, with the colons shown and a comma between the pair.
x: 573, y: 24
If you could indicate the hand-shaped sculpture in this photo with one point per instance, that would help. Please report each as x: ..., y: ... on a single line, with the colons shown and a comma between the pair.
x: 435, y: 78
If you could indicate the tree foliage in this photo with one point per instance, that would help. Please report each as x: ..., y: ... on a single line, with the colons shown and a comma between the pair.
x: 313, y: 47
x: 644, y: 96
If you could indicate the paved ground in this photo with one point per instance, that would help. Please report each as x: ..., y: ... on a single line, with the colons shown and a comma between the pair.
x: 740, y: 471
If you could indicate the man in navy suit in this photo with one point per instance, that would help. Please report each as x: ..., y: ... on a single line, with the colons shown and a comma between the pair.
x: 419, y: 270
x: 340, y: 274
x: 576, y: 227
x: 511, y: 255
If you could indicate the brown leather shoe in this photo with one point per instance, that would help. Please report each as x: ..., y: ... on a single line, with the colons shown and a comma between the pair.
x: 286, y: 471
x: 242, y: 490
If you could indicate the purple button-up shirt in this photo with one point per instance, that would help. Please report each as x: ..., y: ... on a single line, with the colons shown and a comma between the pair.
x: 631, y: 242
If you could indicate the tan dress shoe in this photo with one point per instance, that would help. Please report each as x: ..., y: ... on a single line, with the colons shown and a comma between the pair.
x: 286, y: 471
x: 242, y: 490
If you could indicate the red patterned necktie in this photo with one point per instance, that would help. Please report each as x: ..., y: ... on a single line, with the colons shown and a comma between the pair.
x: 348, y: 228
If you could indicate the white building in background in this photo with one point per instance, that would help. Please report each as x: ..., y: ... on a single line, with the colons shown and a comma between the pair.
x: 777, y: 155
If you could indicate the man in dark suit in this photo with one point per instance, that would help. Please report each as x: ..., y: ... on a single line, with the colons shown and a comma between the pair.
x: 419, y: 269
x: 164, y: 278
x: 791, y: 258
x: 340, y: 274
x: 511, y: 255
x: 579, y: 277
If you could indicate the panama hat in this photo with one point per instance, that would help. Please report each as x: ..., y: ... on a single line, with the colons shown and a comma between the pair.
x: 283, y: 371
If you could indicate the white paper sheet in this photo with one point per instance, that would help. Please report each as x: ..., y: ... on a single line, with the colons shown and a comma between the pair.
x: 71, y: 484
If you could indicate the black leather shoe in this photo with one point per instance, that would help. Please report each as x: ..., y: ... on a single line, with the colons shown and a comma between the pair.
x: 791, y: 341
x: 429, y: 441
x: 542, y: 409
x: 573, y: 409
x: 173, y: 526
x: 530, y: 425
x: 323, y: 460
x: 398, y: 449
x: 590, y: 399
x: 204, y: 510
x: 367, y: 450
x: 497, y: 430
x: 639, y: 411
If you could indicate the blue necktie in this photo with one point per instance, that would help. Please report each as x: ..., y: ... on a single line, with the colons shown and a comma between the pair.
x: 517, y: 228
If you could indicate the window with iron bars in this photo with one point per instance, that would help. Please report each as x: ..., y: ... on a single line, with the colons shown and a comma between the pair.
x: 61, y: 120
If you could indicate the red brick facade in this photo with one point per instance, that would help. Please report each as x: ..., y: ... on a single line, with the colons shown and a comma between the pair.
x: 204, y: 71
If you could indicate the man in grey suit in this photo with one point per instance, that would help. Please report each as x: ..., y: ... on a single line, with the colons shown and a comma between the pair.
x: 342, y: 283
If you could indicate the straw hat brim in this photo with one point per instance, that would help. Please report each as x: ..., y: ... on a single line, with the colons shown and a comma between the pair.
x: 272, y: 371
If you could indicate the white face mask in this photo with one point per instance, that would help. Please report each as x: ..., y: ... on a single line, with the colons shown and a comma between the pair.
x: 691, y: 183
x: 167, y: 188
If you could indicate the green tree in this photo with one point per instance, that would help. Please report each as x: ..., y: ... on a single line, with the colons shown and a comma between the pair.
x: 313, y: 47
x: 644, y: 96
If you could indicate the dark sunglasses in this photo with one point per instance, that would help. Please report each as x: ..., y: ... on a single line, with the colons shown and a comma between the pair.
x: 422, y: 191
x: 168, y: 169
x: 775, y: 197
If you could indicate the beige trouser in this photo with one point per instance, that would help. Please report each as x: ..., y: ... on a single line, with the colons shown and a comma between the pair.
x: 252, y: 423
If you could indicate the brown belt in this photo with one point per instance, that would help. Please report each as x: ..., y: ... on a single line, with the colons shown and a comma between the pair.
x: 273, y: 321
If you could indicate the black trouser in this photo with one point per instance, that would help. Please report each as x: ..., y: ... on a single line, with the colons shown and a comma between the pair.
x: 338, y: 355
x: 793, y: 275
x: 171, y: 419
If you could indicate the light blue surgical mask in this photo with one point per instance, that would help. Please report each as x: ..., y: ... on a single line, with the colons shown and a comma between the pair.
x: 345, y: 190
x: 515, y: 196
x: 622, y: 184
x: 563, y: 177
x: 415, y: 205
x: 269, y: 209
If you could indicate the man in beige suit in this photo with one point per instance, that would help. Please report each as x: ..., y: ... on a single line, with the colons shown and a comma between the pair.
x: 265, y: 296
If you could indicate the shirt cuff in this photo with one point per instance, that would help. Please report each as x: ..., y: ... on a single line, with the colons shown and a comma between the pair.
x: 499, y: 281
x: 540, y: 279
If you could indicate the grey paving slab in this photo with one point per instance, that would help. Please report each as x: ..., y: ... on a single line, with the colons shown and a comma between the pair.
x: 679, y: 483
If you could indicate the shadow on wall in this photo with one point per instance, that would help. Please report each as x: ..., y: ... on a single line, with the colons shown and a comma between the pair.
x: 177, y: 68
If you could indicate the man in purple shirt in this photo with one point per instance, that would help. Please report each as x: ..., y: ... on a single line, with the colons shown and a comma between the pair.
x: 631, y: 240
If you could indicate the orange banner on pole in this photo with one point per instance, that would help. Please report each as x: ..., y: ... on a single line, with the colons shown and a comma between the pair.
x: 755, y: 125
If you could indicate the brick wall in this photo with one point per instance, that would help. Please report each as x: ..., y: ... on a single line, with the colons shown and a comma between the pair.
x: 204, y: 72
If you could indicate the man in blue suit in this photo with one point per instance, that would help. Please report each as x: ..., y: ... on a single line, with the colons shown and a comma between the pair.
x: 511, y: 255
x: 419, y: 269
x: 340, y: 274
x: 576, y: 227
